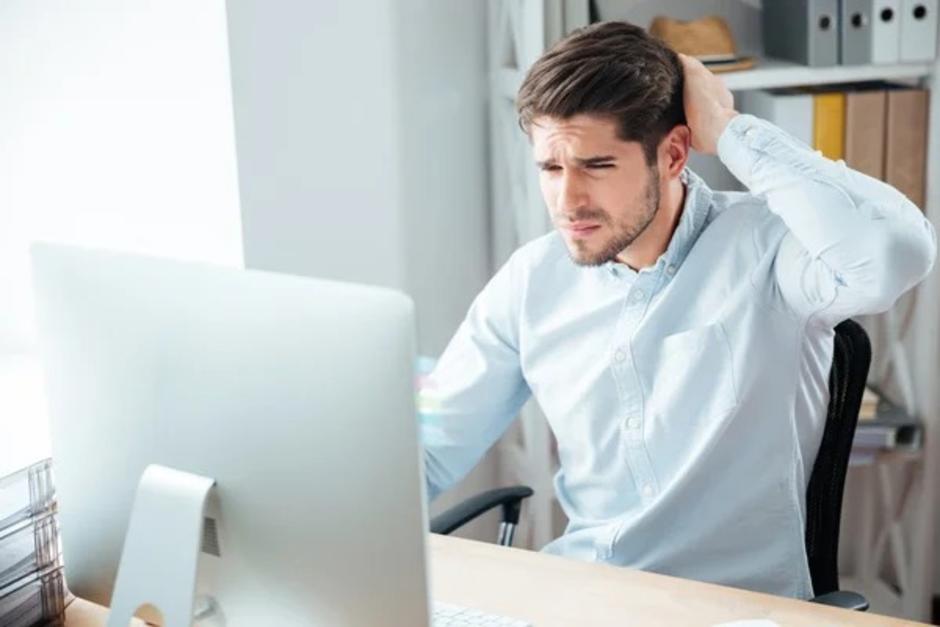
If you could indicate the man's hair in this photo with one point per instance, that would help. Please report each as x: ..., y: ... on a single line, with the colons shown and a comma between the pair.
x: 611, y: 69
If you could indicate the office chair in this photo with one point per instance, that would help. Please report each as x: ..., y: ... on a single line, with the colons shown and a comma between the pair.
x: 850, y: 361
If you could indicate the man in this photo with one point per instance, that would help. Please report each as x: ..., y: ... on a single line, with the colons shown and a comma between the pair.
x: 678, y: 339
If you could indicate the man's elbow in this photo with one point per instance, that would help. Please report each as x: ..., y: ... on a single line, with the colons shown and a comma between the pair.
x: 911, y: 253
x: 901, y: 261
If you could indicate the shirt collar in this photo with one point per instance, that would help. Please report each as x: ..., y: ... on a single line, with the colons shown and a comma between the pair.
x: 695, y: 209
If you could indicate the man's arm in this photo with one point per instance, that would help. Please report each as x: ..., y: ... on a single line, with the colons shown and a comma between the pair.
x: 854, y: 244
x: 476, y: 388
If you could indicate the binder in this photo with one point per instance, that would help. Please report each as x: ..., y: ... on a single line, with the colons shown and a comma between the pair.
x: 829, y: 124
x: 804, y: 31
x: 918, y: 30
x: 865, y: 114
x: 789, y: 109
x: 906, y: 142
x: 870, y: 31
x: 886, y: 31
x: 856, y: 28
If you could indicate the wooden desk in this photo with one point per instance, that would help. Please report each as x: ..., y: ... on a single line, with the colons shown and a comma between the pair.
x: 551, y: 591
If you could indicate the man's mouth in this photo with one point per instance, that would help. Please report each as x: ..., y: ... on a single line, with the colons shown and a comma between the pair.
x: 581, y: 229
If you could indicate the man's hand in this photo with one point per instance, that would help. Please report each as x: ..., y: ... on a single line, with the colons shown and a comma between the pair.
x: 709, y: 105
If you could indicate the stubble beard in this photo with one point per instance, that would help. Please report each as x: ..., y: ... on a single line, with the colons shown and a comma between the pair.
x: 623, y: 233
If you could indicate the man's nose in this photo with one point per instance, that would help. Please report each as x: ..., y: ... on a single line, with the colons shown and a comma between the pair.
x: 572, y: 196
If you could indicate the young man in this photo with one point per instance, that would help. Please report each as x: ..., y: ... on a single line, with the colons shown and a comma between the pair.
x: 678, y: 339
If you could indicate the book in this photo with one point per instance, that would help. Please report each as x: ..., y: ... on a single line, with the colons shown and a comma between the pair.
x: 865, y: 115
x: 869, y: 408
x: 906, y: 142
x: 829, y: 124
x: 789, y: 109
x: 890, y: 428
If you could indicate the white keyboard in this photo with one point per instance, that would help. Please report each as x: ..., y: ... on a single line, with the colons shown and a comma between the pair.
x: 447, y: 615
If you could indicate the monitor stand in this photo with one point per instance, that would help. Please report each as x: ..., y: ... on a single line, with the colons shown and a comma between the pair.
x: 161, y: 555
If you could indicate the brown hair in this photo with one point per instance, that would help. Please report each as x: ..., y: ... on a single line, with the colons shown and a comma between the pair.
x: 611, y: 69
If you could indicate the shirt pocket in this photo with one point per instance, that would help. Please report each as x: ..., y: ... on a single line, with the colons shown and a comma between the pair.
x: 691, y: 377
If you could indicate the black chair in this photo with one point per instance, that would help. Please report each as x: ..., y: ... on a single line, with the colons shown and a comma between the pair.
x: 850, y: 362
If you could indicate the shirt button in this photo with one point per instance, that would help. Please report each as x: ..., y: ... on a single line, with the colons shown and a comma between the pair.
x: 670, y: 270
x: 633, y: 423
x: 620, y: 355
x: 647, y: 490
x: 638, y: 296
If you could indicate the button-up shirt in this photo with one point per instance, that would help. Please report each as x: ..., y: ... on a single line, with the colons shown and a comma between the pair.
x: 688, y: 399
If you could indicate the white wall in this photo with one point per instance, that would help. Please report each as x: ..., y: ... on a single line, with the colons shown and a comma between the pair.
x: 315, y: 112
x: 361, y: 144
x: 444, y: 162
x: 115, y: 131
x: 361, y: 139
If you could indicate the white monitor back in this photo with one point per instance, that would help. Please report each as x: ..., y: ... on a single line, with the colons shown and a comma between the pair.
x: 296, y: 395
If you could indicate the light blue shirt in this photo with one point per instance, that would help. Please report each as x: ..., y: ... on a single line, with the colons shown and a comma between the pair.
x: 688, y: 399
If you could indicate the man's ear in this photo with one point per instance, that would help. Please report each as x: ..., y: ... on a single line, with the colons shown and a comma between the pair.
x: 674, y: 150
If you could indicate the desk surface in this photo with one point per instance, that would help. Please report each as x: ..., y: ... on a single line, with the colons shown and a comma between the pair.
x: 551, y: 591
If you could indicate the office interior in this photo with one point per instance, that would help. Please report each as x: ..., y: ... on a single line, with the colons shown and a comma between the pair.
x: 375, y: 142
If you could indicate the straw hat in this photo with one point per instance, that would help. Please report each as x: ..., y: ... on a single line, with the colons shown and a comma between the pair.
x: 708, y: 39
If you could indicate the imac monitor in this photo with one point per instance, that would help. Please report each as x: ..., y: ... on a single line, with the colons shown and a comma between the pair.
x: 295, y: 395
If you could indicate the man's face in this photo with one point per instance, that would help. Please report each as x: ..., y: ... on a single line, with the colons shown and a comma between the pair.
x: 600, y: 192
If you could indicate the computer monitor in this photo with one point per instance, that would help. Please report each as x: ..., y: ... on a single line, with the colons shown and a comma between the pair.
x: 296, y: 395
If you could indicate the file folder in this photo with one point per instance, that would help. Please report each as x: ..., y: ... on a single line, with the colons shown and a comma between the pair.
x: 803, y: 31
x: 886, y: 31
x: 906, y: 142
x: 829, y: 124
x: 856, y: 26
x: 865, y: 113
x: 789, y: 109
x: 918, y: 30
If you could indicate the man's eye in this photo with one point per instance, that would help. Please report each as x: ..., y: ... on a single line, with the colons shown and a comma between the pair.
x: 550, y: 168
x: 600, y: 166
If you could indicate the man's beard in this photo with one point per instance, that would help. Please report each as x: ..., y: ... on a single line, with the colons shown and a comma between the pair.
x: 623, y: 233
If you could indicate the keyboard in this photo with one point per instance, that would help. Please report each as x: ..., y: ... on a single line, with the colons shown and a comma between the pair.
x: 447, y: 615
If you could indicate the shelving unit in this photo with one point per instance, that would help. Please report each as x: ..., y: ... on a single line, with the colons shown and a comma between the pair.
x: 773, y: 73
x: 520, y: 31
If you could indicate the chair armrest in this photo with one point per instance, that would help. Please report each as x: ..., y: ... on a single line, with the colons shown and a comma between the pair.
x: 509, y: 498
x: 844, y: 599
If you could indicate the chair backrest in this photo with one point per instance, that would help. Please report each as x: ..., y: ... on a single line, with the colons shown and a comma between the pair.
x: 850, y: 361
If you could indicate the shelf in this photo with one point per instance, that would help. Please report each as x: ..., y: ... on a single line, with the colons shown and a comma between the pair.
x: 770, y: 73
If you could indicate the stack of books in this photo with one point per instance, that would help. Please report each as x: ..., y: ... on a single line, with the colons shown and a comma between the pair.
x: 32, y: 590
x: 882, y: 425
